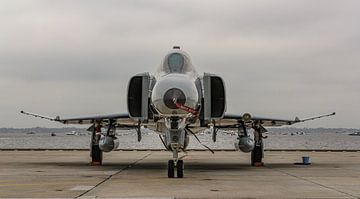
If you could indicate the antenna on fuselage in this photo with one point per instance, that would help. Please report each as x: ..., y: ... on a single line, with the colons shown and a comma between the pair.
x: 176, y: 47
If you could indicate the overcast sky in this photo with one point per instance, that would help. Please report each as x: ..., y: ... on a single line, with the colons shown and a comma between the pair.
x: 278, y: 58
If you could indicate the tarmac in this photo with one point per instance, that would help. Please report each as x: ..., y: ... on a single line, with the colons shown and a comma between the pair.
x: 143, y: 174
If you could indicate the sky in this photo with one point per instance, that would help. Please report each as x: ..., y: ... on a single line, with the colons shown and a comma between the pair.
x: 278, y: 58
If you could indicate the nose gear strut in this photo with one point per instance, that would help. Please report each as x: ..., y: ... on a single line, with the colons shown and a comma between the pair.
x: 176, y: 163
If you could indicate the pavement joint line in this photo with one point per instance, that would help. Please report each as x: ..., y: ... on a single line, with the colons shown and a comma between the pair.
x: 111, y: 175
x: 316, y: 183
x: 134, y: 149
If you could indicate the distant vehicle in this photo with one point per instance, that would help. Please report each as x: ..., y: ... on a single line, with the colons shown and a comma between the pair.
x: 71, y: 133
x: 30, y: 132
x: 75, y: 133
x: 53, y: 134
x: 178, y: 102
x: 355, y: 134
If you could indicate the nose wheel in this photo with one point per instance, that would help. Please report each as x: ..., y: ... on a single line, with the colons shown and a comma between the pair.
x: 171, y: 166
x: 179, y: 165
x: 180, y: 169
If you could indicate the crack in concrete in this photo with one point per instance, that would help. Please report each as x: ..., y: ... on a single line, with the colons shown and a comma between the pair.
x: 313, y: 182
x: 110, y: 176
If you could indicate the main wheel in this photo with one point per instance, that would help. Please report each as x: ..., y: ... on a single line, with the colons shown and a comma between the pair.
x: 96, y: 155
x: 256, y: 155
x: 180, y: 169
x: 171, y: 167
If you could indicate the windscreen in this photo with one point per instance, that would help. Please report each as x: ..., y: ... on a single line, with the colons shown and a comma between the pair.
x: 176, y: 62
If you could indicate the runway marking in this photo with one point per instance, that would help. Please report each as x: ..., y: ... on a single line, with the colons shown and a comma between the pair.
x: 110, y: 176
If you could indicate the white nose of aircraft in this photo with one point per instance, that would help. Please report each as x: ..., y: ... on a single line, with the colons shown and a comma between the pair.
x: 173, y: 90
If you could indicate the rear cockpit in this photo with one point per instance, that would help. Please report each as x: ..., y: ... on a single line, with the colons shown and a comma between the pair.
x: 177, y: 61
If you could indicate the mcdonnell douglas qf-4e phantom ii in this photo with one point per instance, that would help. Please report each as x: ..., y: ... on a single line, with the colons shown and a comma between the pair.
x: 176, y: 103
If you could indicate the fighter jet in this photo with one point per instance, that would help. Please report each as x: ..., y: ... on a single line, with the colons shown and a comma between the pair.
x: 177, y: 103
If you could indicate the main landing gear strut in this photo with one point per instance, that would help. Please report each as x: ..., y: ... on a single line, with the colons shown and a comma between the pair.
x: 95, y: 153
x: 257, y: 154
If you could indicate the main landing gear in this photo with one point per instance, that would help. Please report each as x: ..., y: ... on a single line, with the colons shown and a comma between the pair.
x: 95, y: 153
x: 257, y: 154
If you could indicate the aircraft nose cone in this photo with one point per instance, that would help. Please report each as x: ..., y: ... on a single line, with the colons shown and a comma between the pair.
x: 173, y: 96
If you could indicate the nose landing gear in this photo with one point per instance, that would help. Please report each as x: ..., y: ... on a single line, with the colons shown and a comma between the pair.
x: 175, y: 163
x: 171, y: 167
x: 179, y: 165
x: 180, y: 168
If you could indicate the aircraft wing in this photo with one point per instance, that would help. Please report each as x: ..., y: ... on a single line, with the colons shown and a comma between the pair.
x: 122, y: 120
x: 233, y: 120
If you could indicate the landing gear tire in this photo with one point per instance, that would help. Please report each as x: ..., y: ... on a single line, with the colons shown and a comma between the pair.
x: 171, y: 167
x: 96, y: 155
x: 180, y: 169
x: 256, y: 155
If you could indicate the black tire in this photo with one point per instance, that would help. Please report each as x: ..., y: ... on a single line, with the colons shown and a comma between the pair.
x: 256, y: 155
x: 171, y: 167
x: 96, y: 155
x: 180, y: 169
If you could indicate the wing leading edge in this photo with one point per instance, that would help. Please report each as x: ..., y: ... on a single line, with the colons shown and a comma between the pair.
x: 233, y: 120
x: 122, y: 120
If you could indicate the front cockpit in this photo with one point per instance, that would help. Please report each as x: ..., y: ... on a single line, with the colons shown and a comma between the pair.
x: 177, y: 85
x: 177, y: 61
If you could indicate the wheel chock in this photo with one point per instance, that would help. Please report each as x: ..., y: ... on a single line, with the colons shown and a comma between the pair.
x: 93, y: 163
x: 258, y: 164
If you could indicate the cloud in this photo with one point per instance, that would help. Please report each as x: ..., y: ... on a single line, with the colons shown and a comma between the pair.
x: 279, y: 58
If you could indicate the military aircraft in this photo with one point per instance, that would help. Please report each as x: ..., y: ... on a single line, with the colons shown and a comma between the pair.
x: 176, y: 103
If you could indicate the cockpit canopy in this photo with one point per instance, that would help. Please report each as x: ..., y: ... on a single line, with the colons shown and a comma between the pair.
x: 176, y: 61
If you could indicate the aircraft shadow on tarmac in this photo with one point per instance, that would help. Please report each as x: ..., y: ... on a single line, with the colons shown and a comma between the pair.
x: 205, y: 166
x: 298, y: 165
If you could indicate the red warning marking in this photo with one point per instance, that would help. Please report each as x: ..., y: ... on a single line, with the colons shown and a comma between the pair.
x: 258, y: 164
x: 98, y: 129
x: 187, y: 109
x: 93, y: 163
